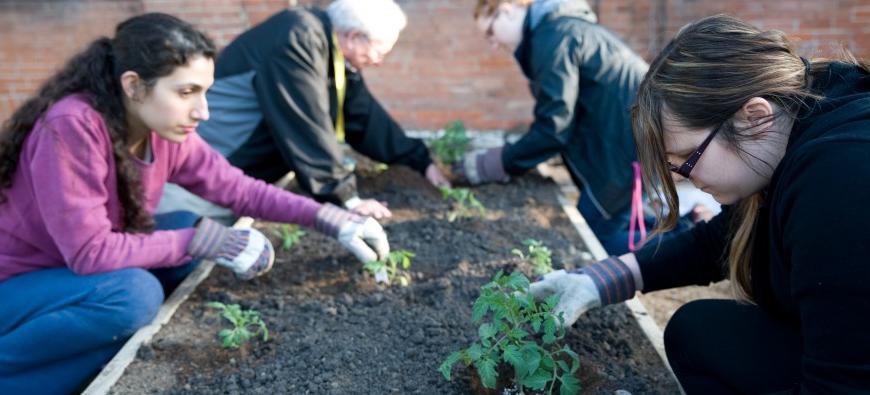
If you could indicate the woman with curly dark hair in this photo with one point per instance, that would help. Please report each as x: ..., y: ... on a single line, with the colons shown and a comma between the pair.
x: 82, y: 166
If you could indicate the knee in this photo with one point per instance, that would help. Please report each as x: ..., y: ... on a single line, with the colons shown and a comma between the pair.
x: 683, y: 326
x: 135, y: 300
x: 175, y: 220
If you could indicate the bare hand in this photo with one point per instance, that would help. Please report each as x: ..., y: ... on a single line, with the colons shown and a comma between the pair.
x: 435, y: 177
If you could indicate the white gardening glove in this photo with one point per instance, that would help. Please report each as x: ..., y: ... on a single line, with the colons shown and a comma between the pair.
x: 247, y: 252
x: 605, y: 282
x: 577, y: 293
x: 362, y: 236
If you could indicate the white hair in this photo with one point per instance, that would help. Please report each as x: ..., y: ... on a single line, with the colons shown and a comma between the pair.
x: 377, y: 19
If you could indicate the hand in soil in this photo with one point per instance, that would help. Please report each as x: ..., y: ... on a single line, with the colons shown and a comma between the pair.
x: 435, y: 177
x: 577, y: 293
x: 365, y: 239
x: 371, y: 208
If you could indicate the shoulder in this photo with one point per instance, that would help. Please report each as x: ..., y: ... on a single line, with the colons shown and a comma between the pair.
x: 74, y: 117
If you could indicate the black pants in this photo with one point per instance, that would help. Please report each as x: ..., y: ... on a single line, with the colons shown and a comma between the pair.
x: 723, y: 347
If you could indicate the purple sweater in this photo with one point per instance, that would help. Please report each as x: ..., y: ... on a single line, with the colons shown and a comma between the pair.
x: 63, y: 207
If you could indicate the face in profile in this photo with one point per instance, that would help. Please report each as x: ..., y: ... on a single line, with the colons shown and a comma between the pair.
x: 176, y: 103
x: 361, y: 51
x: 504, y: 27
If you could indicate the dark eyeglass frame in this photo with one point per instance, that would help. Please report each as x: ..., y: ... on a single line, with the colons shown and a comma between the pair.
x: 489, y: 32
x: 685, y: 169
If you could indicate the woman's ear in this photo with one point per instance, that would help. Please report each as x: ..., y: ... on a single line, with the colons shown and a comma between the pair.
x: 132, y: 86
x: 756, y: 113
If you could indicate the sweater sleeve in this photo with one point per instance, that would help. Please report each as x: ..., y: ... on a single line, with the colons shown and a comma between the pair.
x: 203, y: 171
x: 71, y: 160
x: 692, y: 257
x: 823, y: 219
x: 555, y: 86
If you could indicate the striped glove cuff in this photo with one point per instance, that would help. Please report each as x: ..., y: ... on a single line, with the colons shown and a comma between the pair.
x: 330, y: 218
x: 208, y: 239
x: 613, y: 278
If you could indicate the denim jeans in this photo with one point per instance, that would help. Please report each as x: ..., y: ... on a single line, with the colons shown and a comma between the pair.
x: 58, y: 328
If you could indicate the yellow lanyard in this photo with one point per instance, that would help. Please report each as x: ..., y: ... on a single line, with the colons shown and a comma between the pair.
x: 340, y: 86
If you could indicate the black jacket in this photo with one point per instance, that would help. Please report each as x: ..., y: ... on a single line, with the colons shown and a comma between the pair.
x: 287, y: 63
x: 584, y: 80
x: 811, y: 259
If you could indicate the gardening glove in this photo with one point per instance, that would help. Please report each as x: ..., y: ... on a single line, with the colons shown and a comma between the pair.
x: 362, y: 236
x: 368, y: 208
x: 482, y: 166
x: 602, y: 283
x: 435, y: 177
x: 247, y: 252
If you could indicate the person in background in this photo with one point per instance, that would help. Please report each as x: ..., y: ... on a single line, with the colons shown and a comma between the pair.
x: 783, y: 143
x: 584, y: 80
x: 291, y: 89
x: 83, y: 262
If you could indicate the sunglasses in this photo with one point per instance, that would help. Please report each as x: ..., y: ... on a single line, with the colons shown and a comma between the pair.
x: 686, y: 168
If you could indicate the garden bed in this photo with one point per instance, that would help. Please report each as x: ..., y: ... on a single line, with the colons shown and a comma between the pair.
x: 333, y: 330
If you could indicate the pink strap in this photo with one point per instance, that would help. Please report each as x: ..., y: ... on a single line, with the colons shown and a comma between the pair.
x: 637, y: 219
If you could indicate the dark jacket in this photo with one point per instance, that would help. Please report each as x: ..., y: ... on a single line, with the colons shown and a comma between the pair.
x: 273, y: 108
x: 811, y: 259
x: 584, y: 80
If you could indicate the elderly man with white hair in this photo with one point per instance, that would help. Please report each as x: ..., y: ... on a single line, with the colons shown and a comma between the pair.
x: 289, y: 90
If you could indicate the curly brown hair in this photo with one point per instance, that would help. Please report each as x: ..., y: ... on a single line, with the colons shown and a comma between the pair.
x: 152, y: 45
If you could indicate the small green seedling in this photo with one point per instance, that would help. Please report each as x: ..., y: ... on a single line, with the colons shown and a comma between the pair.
x: 451, y: 146
x: 392, y: 268
x: 511, y: 324
x: 539, y: 256
x: 289, y: 234
x: 246, y: 325
x: 380, y: 168
x: 464, y: 202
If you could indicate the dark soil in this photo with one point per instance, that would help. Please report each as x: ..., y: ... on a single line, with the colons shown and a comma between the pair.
x: 334, y: 331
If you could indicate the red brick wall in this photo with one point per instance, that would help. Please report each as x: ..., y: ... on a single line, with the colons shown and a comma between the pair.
x: 441, y: 68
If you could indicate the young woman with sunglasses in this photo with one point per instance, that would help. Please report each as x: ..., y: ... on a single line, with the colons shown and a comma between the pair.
x: 784, y: 143
x: 82, y: 166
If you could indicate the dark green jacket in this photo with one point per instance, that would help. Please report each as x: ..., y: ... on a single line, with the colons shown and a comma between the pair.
x: 584, y: 81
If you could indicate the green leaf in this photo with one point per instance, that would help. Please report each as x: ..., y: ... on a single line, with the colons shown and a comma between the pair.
x: 549, y: 326
x: 518, y: 281
x: 548, y: 338
x: 563, y: 366
x: 479, y: 309
x: 517, y: 334
x: 570, y: 385
x: 447, y: 366
x: 487, y: 331
x: 537, y: 380
x: 536, y: 324
x: 487, y: 373
x: 551, y: 301
x: 532, y: 358
x: 475, y: 352
x: 511, y: 354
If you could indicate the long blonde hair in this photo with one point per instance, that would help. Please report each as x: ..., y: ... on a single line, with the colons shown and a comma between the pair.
x: 704, y: 76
